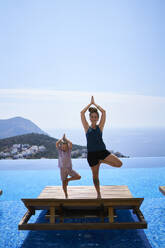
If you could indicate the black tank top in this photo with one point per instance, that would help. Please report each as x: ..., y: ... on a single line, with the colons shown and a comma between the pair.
x: 94, y: 140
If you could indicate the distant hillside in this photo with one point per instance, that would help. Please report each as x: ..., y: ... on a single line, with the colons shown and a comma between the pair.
x: 17, y: 126
x: 30, y: 141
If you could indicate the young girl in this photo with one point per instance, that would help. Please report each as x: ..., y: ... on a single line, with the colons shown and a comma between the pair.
x: 64, y: 147
x: 96, y: 149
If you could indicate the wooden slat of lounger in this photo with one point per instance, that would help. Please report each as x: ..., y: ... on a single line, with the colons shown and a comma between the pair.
x: 90, y: 187
x: 114, y: 202
x: 112, y: 195
x: 90, y: 195
x: 89, y: 192
x: 162, y: 189
x: 82, y: 226
x: 83, y: 195
x: 122, y: 187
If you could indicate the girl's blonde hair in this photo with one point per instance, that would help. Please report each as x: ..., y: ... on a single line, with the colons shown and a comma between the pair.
x: 64, y: 142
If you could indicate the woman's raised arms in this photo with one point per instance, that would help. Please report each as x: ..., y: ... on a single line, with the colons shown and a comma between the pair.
x: 103, y: 115
x: 83, y: 118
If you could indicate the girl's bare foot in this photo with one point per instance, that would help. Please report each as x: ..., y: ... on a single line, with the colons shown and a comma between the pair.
x: 66, y: 181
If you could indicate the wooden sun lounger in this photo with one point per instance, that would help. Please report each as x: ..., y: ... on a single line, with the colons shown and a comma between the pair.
x: 82, y: 203
x: 162, y: 189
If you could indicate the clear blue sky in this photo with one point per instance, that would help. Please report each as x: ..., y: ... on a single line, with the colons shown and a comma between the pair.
x: 83, y: 46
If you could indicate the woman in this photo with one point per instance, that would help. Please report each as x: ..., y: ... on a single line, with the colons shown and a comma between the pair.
x: 96, y: 149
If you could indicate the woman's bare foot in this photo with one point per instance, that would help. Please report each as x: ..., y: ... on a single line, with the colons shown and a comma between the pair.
x: 99, y: 196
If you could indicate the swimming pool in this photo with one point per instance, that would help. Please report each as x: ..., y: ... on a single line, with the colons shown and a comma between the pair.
x: 26, y: 178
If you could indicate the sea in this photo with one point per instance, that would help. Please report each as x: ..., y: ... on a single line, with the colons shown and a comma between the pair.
x: 133, y: 142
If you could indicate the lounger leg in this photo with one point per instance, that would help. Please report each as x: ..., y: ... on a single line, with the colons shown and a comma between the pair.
x: 111, y: 214
x: 139, y: 214
x: 52, y: 214
x: 61, y: 213
x: 25, y: 218
x: 31, y: 210
x: 102, y: 213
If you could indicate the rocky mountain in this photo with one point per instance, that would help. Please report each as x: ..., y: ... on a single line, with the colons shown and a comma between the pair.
x: 34, y: 146
x: 17, y: 126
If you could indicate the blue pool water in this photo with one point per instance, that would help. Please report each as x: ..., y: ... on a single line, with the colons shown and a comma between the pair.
x: 26, y: 179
